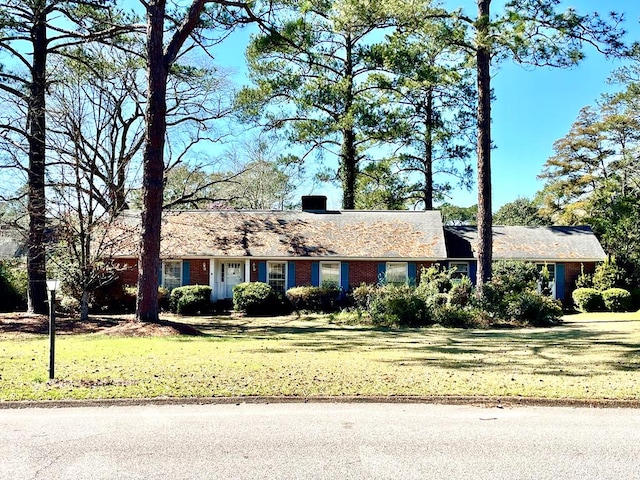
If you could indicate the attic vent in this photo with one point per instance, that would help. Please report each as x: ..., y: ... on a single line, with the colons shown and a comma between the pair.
x: 316, y: 203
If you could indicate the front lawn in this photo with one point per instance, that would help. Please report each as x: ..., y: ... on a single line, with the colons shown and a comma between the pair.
x: 591, y: 356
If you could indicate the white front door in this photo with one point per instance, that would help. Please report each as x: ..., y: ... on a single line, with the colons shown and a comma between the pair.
x: 233, y: 275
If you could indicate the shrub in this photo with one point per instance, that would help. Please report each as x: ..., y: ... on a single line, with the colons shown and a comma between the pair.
x: 314, y: 299
x: 454, y: 316
x: 363, y: 295
x: 433, y: 280
x: 461, y: 292
x: 512, y: 276
x: 608, y: 275
x: 584, y: 280
x: 69, y: 305
x: 255, y: 298
x: 190, y: 299
x: 587, y: 299
x: 616, y: 299
x: 398, y: 305
x: 13, y: 285
x: 534, y: 309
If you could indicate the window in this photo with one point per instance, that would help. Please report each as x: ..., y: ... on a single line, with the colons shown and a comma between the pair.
x: 397, y: 273
x: 461, y: 270
x: 277, y: 275
x: 330, y: 274
x: 172, y: 274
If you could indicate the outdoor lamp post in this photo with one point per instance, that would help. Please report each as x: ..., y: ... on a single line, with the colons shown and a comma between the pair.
x: 52, y: 286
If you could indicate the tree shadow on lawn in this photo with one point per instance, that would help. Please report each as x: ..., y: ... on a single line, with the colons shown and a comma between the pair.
x: 486, y: 347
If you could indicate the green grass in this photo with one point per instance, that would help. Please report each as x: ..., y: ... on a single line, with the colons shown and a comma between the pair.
x: 592, y: 356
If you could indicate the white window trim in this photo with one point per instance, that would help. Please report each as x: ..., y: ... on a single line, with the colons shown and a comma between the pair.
x: 164, y: 262
x: 455, y: 264
x: 406, y: 271
x: 320, y: 279
x: 286, y: 272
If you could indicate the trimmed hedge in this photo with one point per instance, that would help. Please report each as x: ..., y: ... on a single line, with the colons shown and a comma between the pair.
x: 587, y: 299
x: 255, y: 298
x: 314, y: 299
x: 190, y: 299
x: 617, y: 299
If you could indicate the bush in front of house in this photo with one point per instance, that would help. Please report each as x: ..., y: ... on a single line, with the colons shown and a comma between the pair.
x: 617, y: 299
x: 190, y: 299
x: 608, y: 275
x: 534, y: 309
x: 434, y: 280
x: 314, y: 299
x: 512, y: 296
x: 13, y: 285
x: 256, y: 298
x: 362, y: 295
x: 587, y: 299
x: 514, y: 276
x: 398, y: 305
x: 461, y: 292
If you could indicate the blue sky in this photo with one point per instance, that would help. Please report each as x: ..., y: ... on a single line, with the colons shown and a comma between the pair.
x: 533, y: 107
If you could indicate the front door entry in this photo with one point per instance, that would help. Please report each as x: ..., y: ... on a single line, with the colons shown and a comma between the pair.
x: 233, y: 274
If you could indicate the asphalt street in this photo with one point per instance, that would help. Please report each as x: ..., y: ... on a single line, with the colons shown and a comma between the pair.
x: 318, y: 441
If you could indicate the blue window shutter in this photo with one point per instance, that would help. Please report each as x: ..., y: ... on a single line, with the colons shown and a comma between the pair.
x: 412, y: 269
x: 560, y: 281
x: 315, y: 274
x: 473, y: 268
x: 382, y: 270
x: 160, y: 275
x: 344, y: 276
x: 262, y: 272
x: 186, y: 272
x: 291, y: 274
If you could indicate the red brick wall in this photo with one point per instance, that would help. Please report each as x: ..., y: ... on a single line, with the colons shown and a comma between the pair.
x: 128, y: 271
x: 571, y: 273
x: 303, y: 273
x: 199, y: 271
x: 362, y: 272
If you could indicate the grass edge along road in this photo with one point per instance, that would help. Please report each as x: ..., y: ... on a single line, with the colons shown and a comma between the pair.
x: 590, y: 357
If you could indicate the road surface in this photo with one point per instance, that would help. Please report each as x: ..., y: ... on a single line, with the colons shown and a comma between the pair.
x: 319, y: 441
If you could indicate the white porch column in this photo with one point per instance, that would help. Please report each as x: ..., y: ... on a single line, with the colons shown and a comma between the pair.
x: 212, y: 279
x: 247, y: 269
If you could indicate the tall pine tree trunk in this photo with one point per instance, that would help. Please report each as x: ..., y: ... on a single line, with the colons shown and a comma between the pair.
x: 349, y: 169
x: 153, y: 167
x: 483, y: 57
x: 36, y: 131
x: 428, y: 153
x: 348, y: 154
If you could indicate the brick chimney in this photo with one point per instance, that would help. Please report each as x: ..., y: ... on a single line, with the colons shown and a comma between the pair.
x: 314, y: 203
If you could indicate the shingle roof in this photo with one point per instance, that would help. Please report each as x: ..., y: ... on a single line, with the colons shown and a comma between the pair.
x: 528, y: 243
x: 339, y: 234
x: 12, y: 244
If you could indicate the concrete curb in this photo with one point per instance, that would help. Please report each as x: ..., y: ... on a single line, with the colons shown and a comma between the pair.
x: 487, y: 402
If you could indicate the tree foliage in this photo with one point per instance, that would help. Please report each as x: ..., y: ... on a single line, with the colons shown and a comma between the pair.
x: 311, y: 76
x: 30, y: 33
x: 522, y: 211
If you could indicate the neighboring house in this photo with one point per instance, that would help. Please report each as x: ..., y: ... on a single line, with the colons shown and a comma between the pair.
x: 12, y: 243
x: 288, y: 248
x: 565, y: 251
x: 316, y: 246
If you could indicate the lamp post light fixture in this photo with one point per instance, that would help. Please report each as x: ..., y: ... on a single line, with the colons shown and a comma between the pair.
x: 52, y: 286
